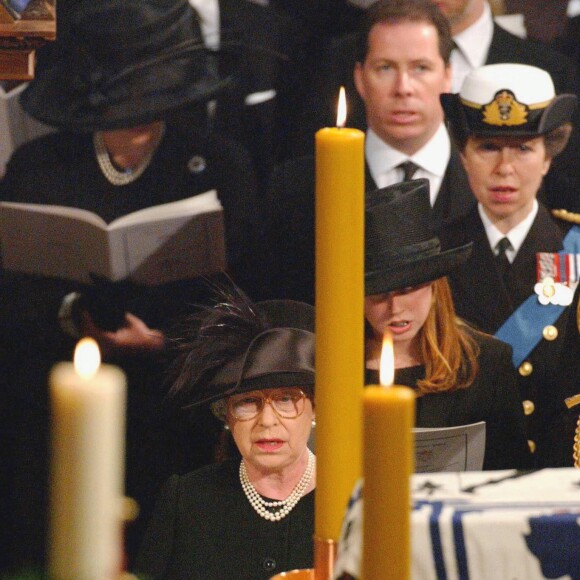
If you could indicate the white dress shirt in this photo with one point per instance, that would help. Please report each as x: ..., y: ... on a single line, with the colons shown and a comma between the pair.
x: 209, y: 14
x: 472, y: 48
x: 432, y: 160
x: 573, y: 8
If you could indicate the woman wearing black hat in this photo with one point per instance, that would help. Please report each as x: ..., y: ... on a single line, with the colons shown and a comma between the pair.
x: 249, y: 517
x: 461, y: 376
x: 509, y: 124
x: 110, y: 83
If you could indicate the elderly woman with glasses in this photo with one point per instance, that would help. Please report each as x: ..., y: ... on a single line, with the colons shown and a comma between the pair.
x: 250, y: 516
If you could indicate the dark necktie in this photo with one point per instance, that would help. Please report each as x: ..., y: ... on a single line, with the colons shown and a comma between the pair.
x: 409, y: 169
x: 503, y: 264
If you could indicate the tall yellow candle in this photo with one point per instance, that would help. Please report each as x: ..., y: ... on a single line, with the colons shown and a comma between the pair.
x: 339, y: 321
x: 87, y: 467
x: 389, y: 416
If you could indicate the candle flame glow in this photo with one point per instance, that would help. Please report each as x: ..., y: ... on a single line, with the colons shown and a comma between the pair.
x: 341, y: 114
x: 87, y: 358
x: 387, y: 366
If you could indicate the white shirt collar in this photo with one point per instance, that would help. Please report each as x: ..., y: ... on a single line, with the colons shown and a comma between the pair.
x: 516, y: 235
x: 432, y: 160
x: 209, y: 16
x: 433, y: 156
x: 473, y: 44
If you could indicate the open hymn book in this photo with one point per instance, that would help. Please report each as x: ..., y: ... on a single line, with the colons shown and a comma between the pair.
x: 164, y: 243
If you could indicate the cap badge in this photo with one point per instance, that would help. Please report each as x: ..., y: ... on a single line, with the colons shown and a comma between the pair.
x: 505, y: 110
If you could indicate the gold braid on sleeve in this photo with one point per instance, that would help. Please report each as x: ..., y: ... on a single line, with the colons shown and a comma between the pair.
x: 570, y: 403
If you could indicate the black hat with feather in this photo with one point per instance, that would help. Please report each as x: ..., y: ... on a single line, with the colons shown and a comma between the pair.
x: 237, y: 346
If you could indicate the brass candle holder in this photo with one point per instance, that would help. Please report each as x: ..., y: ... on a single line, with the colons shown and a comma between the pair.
x: 305, y: 574
x: 324, y: 557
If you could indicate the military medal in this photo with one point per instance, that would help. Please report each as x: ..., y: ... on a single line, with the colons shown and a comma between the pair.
x: 557, y: 275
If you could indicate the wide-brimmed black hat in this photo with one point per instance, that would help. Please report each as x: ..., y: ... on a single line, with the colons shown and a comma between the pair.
x: 241, y: 347
x: 123, y: 63
x: 507, y: 99
x: 401, y: 248
x: 281, y: 356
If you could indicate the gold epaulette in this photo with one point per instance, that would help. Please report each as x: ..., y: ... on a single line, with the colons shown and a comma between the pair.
x: 566, y: 215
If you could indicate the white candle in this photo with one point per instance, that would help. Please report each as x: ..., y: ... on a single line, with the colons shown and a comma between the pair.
x: 87, y: 467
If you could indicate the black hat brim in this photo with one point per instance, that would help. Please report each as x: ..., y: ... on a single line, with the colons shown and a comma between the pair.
x: 408, y: 274
x: 61, y: 97
x: 280, y: 357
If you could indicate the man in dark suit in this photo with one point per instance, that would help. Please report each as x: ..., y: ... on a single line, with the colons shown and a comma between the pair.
x: 402, y: 68
x: 509, y: 124
x: 478, y: 40
x: 253, y: 109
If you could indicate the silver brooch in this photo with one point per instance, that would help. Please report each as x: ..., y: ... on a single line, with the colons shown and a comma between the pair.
x: 196, y: 164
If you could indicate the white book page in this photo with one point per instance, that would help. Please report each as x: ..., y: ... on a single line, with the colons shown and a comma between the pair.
x: 460, y: 448
x: 20, y: 212
x: 204, y: 202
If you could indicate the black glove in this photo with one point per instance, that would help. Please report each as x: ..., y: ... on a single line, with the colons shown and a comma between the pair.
x: 107, y: 302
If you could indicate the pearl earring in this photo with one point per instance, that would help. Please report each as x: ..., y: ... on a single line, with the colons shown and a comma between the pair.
x: 226, y: 427
x: 313, y: 423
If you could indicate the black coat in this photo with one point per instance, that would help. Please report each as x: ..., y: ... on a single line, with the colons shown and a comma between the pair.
x: 204, y: 527
x: 61, y: 169
x: 482, y: 298
x: 290, y: 236
x: 493, y: 397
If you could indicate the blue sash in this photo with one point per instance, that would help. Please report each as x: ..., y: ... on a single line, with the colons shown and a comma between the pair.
x: 523, y: 329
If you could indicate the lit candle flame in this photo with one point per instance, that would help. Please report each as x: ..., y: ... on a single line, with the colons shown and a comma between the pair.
x: 387, y: 366
x: 341, y: 115
x: 87, y: 358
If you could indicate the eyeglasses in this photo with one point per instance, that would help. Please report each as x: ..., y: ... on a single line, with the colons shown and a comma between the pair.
x: 287, y: 403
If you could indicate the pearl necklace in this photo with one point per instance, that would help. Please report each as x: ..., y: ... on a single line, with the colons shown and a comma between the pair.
x: 263, y: 507
x: 125, y: 176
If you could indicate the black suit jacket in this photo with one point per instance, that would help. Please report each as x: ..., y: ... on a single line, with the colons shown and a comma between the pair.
x: 484, y: 299
x: 263, y: 62
x: 569, y: 42
x: 290, y: 236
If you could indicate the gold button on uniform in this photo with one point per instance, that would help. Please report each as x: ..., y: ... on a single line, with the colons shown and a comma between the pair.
x: 550, y: 332
x: 532, y: 445
x: 529, y: 407
x: 526, y: 368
